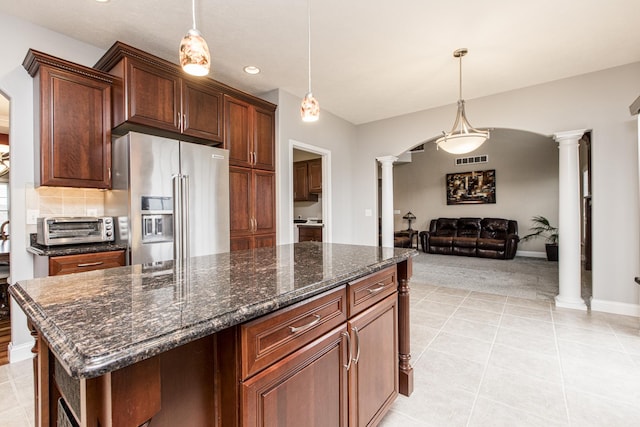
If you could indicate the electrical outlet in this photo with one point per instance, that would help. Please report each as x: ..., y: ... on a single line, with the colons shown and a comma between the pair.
x: 396, y: 212
x: 92, y: 212
x: 32, y: 216
x: 368, y: 212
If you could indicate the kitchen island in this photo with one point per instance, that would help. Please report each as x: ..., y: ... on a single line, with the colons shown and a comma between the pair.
x: 309, y: 332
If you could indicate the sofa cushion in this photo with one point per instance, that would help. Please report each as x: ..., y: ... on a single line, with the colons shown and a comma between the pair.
x: 447, y: 227
x: 445, y: 241
x: 494, y: 228
x: 492, y: 244
x: 469, y: 227
x: 465, y: 242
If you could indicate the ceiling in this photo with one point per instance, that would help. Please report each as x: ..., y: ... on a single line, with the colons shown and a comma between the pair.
x: 371, y: 59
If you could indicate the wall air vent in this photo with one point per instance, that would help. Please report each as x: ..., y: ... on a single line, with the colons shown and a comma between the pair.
x: 472, y: 160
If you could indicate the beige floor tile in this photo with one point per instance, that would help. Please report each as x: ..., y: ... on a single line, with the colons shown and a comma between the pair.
x: 4, y: 373
x: 463, y: 347
x: 9, y: 399
x: 484, y: 305
x: 474, y: 315
x: 581, y: 319
x: 544, y: 367
x: 487, y: 413
x: 21, y: 369
x: 603, y: 381
x: 396, y: 419
x: 587, y: 410
x: 467, y: 328
x: 487, y: 296
x: 538, y: 304
x: 421, y: 337
x: 524, y: 392
x: 630, y: 344
x: 435, y: 308
x: 24, y: 390
x: 538, y: 343
x: 589, y: 337
x: 436, y: 369
x: 425, y: 318
x: 595, y: 357
x: 452, y: 291
x: 446, y: 298
x: 14, y: 417
x: 527, y: 312
x: 442, y: 407
x: 529, y: 326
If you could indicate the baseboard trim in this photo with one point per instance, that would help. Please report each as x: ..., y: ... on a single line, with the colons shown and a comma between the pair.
x: 531, y: 254
x: 18, y: 353
x: 615, y: 307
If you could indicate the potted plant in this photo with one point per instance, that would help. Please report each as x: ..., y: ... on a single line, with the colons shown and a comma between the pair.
x: 543, y: 228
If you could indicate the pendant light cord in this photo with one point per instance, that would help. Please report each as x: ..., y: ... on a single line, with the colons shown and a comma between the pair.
x: 460, y: 82
x: 309, y: 40
x: 193, y: 13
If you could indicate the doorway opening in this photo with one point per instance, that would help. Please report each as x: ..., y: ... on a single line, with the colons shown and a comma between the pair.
x: 310, y: 178
x: 5, y: 314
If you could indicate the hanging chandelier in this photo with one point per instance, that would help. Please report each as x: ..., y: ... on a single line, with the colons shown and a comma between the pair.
x: 194, y: 52
x: 310, y: 108
x: 463, y: 138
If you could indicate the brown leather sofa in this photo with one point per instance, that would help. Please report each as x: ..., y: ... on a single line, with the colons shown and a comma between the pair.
x: 480, y: 237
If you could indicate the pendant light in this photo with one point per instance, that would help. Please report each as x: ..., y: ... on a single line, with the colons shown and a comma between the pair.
x: 463, y: 137
x: 194, y: 52
x: 310, y: 108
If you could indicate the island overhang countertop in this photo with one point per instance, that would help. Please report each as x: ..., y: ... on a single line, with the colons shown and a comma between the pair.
x: 100, y: 321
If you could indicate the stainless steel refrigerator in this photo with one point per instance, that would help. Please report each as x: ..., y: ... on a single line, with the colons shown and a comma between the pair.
x: 169, y: 198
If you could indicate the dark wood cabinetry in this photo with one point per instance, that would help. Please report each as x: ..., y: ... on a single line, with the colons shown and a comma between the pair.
x: 156, y: 96
x: 307, y: 180
x: 249, y: 134
x: 67, y: 264
x: 73, y: 122
x: 309, y: 233
x: 252, y: 205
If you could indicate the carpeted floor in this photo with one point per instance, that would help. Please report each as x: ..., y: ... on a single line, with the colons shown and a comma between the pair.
x: 532, y: 278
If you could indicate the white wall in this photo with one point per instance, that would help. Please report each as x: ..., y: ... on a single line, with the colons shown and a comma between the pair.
x: 597, y: 101
x: 18, y: 36
x: 526, y: 166
x: 330, y: 133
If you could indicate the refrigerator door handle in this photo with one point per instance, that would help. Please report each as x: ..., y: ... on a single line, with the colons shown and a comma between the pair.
x: 186, y: 244
x: 177, y: 217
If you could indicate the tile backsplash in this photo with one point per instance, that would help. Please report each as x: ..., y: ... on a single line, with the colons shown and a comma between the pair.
x: 64, y: 201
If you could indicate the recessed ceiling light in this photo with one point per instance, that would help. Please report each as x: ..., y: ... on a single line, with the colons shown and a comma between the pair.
x: 251, y: 69
x: 103, y: 1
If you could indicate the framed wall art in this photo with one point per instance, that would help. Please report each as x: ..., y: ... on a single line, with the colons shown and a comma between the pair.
x: 476, y: 187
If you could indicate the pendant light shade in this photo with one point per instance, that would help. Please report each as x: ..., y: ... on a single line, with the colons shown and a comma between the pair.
x: 194, y: 52
x: 310, y: 108
x: 463, y: 138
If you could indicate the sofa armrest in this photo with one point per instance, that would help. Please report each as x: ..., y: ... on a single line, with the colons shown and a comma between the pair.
x: 511, y: 246
x: 424, y: 240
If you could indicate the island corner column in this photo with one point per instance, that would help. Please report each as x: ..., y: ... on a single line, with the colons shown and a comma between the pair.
x: 405, y: 374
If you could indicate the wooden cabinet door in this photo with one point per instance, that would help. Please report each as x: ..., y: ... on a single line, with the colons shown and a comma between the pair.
x: 85, y: 262
x: 201, y: 111
x: 75, y: 130
x: 240, y: 201
x: 153, y: 96
x: 264, y: 139
x: 373, y: 377
x: 264, y: 212
x: 237, y: 132
x: 300, y: 181
x: 241, y: 243
x: 264, y: 240
x: 315, y: 175
x: 308, y: 387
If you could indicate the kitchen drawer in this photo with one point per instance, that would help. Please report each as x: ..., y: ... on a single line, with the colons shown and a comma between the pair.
x: 272, y: 337
x: 85, y: 262
x: 365, y: 292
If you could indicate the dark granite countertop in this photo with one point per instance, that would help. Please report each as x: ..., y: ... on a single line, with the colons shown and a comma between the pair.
x: 87, y: 248
x: 100, y: 321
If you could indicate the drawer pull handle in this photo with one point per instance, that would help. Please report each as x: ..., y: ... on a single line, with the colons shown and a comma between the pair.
x: 315, y: 321
x: 348, y: 365
x: 376, y: 290
x: 91, y: 264
x: 355, y: 331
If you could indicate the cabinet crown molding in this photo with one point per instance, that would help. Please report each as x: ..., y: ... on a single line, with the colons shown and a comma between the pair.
x: 34, y: 59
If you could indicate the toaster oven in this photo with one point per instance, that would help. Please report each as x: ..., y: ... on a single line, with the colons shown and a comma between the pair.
x: 74, y: 230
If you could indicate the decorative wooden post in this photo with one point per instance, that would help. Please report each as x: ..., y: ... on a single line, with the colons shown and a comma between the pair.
x: 405, y: 270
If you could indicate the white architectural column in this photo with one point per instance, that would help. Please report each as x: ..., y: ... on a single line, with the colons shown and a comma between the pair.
x: 387, y: 199
x: 569, y: 258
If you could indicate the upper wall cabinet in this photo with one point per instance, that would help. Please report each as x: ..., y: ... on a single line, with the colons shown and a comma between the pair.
x: 73, y: 122
x: 250, y: 134
x: 157, y: 97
